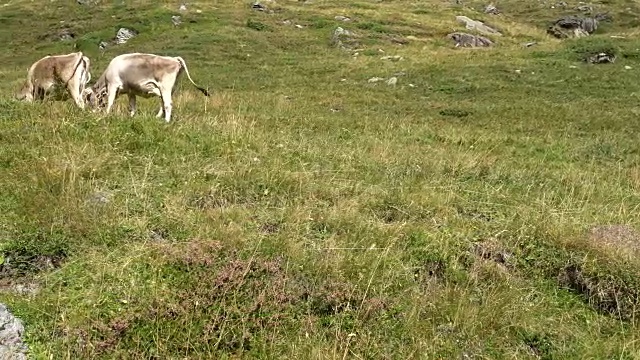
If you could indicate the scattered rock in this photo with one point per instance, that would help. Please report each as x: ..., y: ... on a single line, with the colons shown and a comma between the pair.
x: 530, y: 44
x: 471, y: 24
x: 176, y: 20
x: 259, y: 7
x: 103, y: 45
x: 491, y: 9
x: 602, y: 58
x: 399, y: 40
x: 63, y: 34
x: 182, y: 7
x: 299, y: 26
x: 392, y: 81
x: 66, y: 34
x: 575, y: 26
x: 375, y: 79
x: 123, y: 35
x: 11, y: 331
x: 342, y: 38
x: 392, y: 58
x: 342, y: 18
x: 468, y: 40
x: 100, y: 198
x: 88, y: 2
x: 585, y: 8
x: 627, y: 67
x: 286, y: 22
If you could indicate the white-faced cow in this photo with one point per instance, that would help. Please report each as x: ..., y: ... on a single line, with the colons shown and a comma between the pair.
x: 71, y: 70
x: 139, y: 74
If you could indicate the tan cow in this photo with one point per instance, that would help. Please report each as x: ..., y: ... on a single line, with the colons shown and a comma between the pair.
x: 139, y: 74
x: 71, y: 71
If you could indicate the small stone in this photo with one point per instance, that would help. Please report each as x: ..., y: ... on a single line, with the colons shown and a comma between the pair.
x: 258, y: 6
x: 572, y: 67
x: 287, y: 22
x: 392, y: 58
x: 103, y: 45
x: 411, y: 37
x: 412, y: 85
x: 299, y: 26
x: 491, y: 9
x: 123, y: 35
x: 176, y: 20
x: 375, y: 79
x: 530, y: 44
x: 182, y: 7
x: 392, y: 81
x: 627, y: 67
x: 342, y: 18
x: 199, y: 11
x: 518, y: 71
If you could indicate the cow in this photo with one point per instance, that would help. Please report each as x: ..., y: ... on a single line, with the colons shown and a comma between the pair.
x: 139, y: 74
x: 70, y: 70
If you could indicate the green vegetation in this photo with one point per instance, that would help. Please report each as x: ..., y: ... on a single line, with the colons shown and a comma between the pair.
x: 302, y: 212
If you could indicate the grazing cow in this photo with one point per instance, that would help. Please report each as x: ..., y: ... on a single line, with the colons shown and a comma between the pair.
x: 139, y: 74
x: 71, y: 70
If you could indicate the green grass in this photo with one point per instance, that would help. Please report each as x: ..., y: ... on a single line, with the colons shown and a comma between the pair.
x: 302, y: 212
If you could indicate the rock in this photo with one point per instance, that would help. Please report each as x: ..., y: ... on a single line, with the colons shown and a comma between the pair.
x: 411, y: 37
x: 176, y: 20
x: 574, y: 26
x: 182, y: 7
x: 103, y: 45
x: 518, y: 71
x: 342, y: 38
x: 491, y: 9
x: 259, y: 6
x: 627, y: 67
x: 562, y: 4
x: 468, y: 40
x: 100, y: 197
x: 299, y: 26
x: 88, y: 2
x: 286, y: 22
x: 342, y: 18
x: 125, y: 35
x: 199, y: 11
x: 585, y: 8
x: 530, y: 44
x: 602, y: 58
x: 471, y: 24
x: 392, y: 58
x: 392, y: 81
x: 375, y: 79
x: 11, y: 331
x: 66, y: 34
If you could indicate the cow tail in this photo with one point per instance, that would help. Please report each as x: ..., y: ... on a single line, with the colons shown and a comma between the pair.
x: 184, y: 65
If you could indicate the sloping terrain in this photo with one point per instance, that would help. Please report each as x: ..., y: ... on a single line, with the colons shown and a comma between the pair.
x: 484, y: 204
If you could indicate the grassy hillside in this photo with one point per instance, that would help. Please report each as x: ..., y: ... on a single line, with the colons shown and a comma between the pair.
x: 486, y: 206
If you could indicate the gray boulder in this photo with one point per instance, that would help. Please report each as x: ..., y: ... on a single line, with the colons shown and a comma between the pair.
x: 468, y: 40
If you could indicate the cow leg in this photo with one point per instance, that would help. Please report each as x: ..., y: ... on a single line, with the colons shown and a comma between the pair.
x: 166, y: 101
x: 132, y: 104
x: 112, y: 91
x: 74, y: 87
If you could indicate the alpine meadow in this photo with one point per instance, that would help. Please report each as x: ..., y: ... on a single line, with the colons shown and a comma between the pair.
x: 356, y: 186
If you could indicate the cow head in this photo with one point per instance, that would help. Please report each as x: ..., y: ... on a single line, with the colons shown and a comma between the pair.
x: 25, y: 93
x: 95, y: 98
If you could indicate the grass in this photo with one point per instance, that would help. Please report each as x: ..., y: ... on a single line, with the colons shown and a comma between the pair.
x: 303, y: 212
